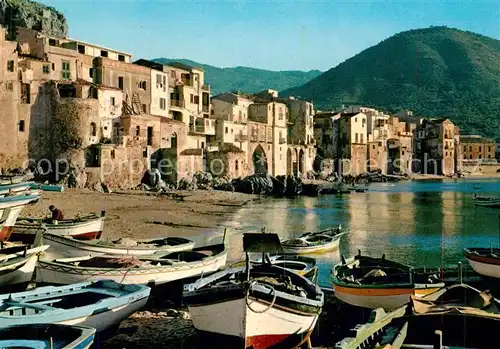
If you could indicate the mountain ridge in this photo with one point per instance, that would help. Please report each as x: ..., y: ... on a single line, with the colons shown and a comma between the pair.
x: 246, y: 79
x: 436, y: 71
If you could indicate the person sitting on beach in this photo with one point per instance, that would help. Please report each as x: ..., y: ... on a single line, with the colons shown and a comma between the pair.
x: 57, y: 214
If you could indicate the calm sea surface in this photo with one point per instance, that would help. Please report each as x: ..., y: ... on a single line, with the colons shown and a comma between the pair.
x: 422, y: 223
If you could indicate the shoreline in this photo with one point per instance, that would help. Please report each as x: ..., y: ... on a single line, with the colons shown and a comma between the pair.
x: 198, y: 214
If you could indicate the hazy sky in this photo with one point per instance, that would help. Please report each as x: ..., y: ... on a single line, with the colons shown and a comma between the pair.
x: 277, y: 35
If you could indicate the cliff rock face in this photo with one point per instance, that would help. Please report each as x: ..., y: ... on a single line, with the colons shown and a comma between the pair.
x: 32, y: 15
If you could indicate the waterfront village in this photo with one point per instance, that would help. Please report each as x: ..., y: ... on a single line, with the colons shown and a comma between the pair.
x: 105, y: 113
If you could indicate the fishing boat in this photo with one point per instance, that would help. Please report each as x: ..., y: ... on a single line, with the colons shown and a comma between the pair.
x: 316, y: 242
x: 83, y: 228
x: 379, y: 283
x: 15, y: 188
x: 14, y: 179
x: 66, y: 247
x: 17, y: 265
x: 489, y: 201
x: 258, y: 306
x: 484, y: 261
x: 101, y: 305
x: 304, y: 266
x: 458, y: 316
x: 152, y: 270
x: 10, y: 208
x: 46, y: 336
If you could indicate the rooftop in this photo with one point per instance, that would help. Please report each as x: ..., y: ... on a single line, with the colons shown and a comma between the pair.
x: 475, y: 139
x: 183, y: 66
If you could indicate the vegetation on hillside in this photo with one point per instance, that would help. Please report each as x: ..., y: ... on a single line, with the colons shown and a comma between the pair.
x: 246, y: 79
x: 438, y: 71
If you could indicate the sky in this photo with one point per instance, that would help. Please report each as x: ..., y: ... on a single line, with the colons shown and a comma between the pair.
x: 271, y: 34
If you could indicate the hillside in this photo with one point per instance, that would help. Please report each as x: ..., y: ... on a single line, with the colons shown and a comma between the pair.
x: 436, y: 71
x: 246, y: 79
x: 32, y: 15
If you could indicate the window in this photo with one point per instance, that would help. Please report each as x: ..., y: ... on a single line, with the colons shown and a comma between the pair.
x: 113, y: 154
x: 158, y: 80
x: 65, y: 72
x: 363, y: 121
x: 112, y: 101
x: 227, y: 130
x: 191, y: 98
x: 373, y: 147
x: 173, y: 141
x: 91, y: 72
x: 25, y: 94
x: 240, y: 117
x: 236, y: 165
x: 172, y: 74
x: 489, y: 148
x: 231, y: 131
x: 480, y: 148
x: 361, y: 138
x: 9, y: 86
x: 465, y: 148
x: 93, y: 129
x: 470, y: 156
x: 403, y: 152
x: 196, y: 100
x: 21, y: 125
x: 470, y: 148
x: 356, y: 138
x: 137, y: 131
x: 150, y: 136
x: 52, y: 42
x: 480, y: 156
x: 10, y: 66
x: 143, y: 85
x: 53, y: 66
x: 121, y: 58
x: 355, y: 119
x: 81, y: 49
x: 46, y: 69
x: 202, y: 145
x: 120, y: 82
x: 163, y: 103
x: 104, y: 53
x: 144, y: 108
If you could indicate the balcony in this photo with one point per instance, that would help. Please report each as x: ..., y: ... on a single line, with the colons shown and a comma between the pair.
x: 282, y: 141
x: 204, y: 127
x: 241, y: 138
x: 177, y: 103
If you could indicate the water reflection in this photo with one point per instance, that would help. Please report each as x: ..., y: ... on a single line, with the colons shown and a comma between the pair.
x: 420, y: 223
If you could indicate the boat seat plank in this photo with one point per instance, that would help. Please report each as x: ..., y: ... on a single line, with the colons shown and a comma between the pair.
x: 13, y: 304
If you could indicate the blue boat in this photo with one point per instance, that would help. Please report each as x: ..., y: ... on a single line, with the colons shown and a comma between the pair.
x: 101, y: 305
x: 35, y: 336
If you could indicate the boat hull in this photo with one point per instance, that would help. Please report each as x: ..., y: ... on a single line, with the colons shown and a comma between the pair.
x: 17, y: 276
x: 88, y: 230
x: 485, y: 266
x: 257, y: 328
x: 372, y: 298
x: 56, y: 273
x: 10, y: 209
x: 312, y: 249
x: 103, y: 315
x: 66, y: 247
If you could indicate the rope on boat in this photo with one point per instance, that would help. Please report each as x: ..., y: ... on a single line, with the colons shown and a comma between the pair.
x: 270, y: 305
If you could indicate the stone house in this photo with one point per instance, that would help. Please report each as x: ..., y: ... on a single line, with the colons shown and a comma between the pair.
x: 477, y: 148
x: 434, y: 148
x: 352, y: 143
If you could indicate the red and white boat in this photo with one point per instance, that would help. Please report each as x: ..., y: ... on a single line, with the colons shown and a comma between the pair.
x: 484, y: 261
x: 82, y: 228
x: 10, y: 209
x: 258, y: 306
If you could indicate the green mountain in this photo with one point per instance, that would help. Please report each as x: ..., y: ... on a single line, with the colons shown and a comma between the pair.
x: 437, y: 71
x: 246, y: 79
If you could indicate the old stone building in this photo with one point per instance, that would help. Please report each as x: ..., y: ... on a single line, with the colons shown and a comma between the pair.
x: 435, y: 147
x: 352, y: 143
x: 475, y: 147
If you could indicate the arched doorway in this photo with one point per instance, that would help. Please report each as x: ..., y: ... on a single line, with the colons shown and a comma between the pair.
x: 301, y: 162
x: 289, y: 168
x: 259, y: 160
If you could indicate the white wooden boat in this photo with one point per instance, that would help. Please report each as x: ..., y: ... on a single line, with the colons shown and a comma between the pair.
x: 101, y: 305
x: 17, y: 265
x: 14, y: 179
x: 47, y: 336
x: 489, y: 201
x: 68, y: 247
x: 484, y: 261
x: 257, y: 306
x: 84, y: 228
x: 316, y: 242
x: 15, y: 188
x: 380, y: 283
x: 462, y: 316
x: 152, y: 270
x: 10, y: 208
